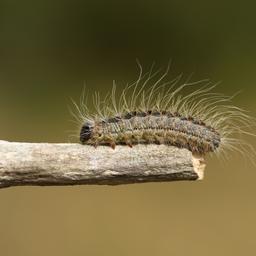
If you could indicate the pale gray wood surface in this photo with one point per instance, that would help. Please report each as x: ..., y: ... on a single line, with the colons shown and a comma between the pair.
x: 73, y: 164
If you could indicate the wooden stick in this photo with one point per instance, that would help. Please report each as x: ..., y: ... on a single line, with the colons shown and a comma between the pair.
x: 73, y: 164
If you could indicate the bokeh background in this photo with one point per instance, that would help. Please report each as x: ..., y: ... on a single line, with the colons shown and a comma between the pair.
x: 49, y: 50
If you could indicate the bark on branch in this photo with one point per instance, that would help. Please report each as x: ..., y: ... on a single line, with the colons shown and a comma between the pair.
x: 73, y: 164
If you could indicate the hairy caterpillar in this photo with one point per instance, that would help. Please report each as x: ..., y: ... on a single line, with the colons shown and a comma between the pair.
x: 153, y: 111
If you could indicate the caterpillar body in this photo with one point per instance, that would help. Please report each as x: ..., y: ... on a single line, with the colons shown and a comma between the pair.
x: 153, y: 111
x: 159, y: 127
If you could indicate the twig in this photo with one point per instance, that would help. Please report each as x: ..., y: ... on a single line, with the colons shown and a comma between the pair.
x: 73, y: 164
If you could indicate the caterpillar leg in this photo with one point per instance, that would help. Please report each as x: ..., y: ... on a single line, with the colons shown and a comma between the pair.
x: 128, y: 143
x: 112, y: 144
x: 96, y: 144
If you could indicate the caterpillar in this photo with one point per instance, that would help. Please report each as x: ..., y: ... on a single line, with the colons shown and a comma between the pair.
x: 158, y: 127
x: 151, y: 110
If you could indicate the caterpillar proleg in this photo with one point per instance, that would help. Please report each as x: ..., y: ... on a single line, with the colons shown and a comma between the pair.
x: 151, y: 110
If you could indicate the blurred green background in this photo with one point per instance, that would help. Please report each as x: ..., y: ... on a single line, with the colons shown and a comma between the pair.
x: 48, y: 50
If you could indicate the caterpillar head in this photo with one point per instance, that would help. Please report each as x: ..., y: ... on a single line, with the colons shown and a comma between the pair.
x: 86, y: 131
